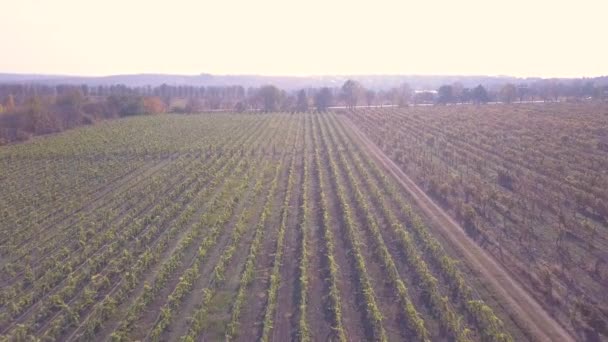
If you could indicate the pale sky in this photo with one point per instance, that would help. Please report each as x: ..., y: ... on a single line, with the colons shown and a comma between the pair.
x: 548, y: 38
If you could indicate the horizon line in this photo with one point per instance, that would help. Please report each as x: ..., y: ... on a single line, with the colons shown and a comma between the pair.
x: 36, y: 74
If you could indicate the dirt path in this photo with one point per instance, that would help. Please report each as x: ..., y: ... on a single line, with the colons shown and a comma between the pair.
x: 527, y: 311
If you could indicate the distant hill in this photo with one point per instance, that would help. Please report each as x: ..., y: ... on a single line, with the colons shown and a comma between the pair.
x: 378, y: 82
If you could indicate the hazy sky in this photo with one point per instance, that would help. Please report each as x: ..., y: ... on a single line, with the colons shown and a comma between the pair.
x: 305, y: 37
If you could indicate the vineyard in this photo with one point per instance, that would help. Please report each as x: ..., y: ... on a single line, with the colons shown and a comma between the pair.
x: 280, y: 227
x: 527, y: 182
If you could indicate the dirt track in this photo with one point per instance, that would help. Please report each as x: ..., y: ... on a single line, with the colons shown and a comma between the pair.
x: 528, y: 313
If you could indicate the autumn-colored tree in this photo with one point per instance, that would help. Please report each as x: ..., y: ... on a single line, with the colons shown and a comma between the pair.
x: 10, y: 103
x: 153, y: 105
x: 38, y: 118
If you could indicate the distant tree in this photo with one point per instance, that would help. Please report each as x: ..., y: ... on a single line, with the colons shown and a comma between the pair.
x: 559, y: 90
x: 393, y: 96
x: 542, y: 91
x: 9, y: 104
x: 68, y: 107
x: 549, y: 90
x: 457, y: 92
x: 466, y: 95
x: 199, y: 92
x: 40, y: 119
x: 193, y: 105
x: 164, y: 91
x: 153, y: 105
x: 351, y: 90
x: 240, y: 107
x: 71, y: 99
x: 287, y: 103
x: 302, y: 102
x: 600, y: 93
x: 214, y: 98
x: 370, y: 95
x: 522, y: 92
x: 508, y: 93
x: 405, y: 95
x: 588, y: 89
x: 124, y: 105
x: 480, y: 95
x: 444, y: 94
x: 323, y: 99
x: 270, y: 97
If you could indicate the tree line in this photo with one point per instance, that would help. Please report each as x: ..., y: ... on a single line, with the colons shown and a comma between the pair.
x: 33, y: 109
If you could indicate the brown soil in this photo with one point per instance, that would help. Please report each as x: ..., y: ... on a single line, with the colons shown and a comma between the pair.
x: 32, y: 309
x: 318, y: 314
x: 147, y: 321
x: 60, y: 222
x: 354, y: 320
x: 387, y: 301
x: 285, y: 323
x: 219, y: 312
x: 252, y: 313
x: 113, y: 323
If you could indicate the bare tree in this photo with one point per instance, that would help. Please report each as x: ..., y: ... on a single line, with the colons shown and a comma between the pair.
x: 370, y: 95
x: 351, y: 90
x: 508, y: 93
x: 522, y: 92
x: 9, y: 104
x: 302, y: 102
x: 457, y: 92
x: 402, y: 95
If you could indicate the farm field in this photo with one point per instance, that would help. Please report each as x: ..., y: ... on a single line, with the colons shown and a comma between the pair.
x: 281, y: 227
x: 528, y: 183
